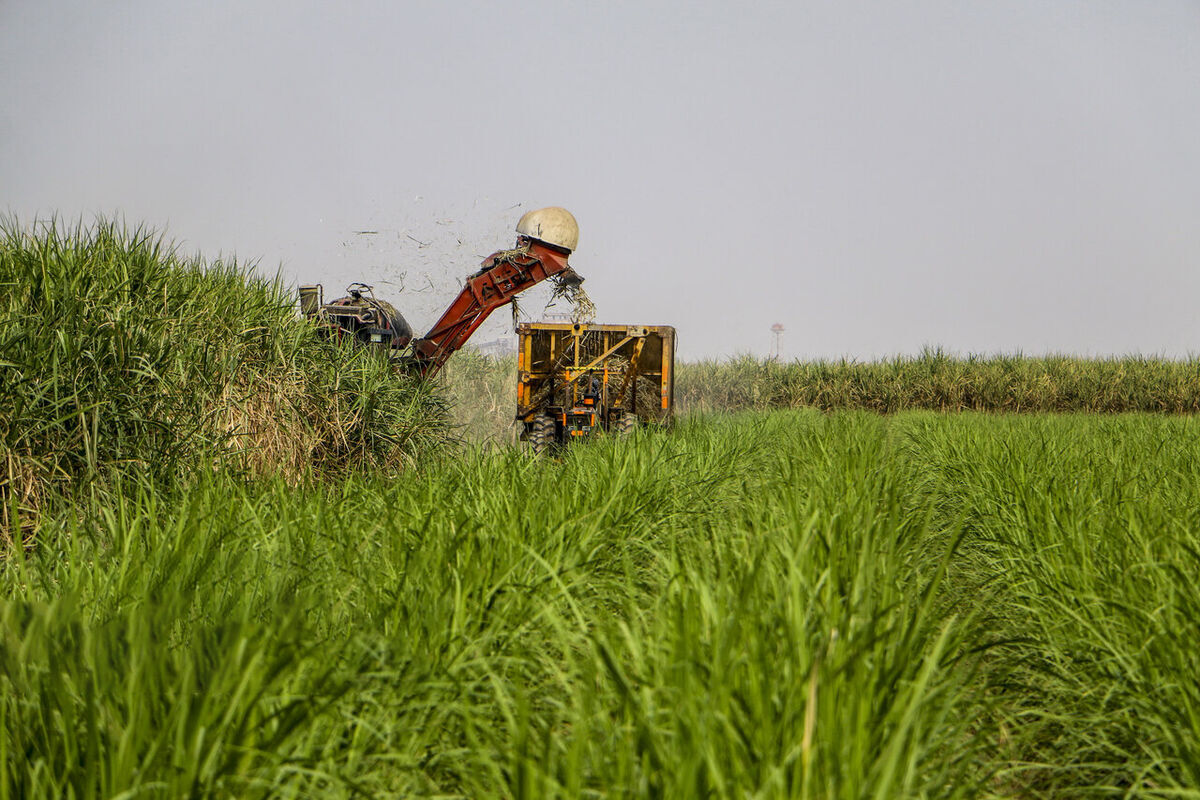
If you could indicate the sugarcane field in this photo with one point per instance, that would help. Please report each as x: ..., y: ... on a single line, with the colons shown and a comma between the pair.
x: 567, y: 401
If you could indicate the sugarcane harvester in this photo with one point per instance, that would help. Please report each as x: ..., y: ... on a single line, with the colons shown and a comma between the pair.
x: 545, y: 240
x: 573, y: 378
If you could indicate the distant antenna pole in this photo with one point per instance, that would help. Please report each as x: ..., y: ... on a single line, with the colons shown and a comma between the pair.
x: 776, y: 340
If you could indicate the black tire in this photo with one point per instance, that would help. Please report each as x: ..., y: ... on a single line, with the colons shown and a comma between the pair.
x: 541, y: 435
x: 626, y: 425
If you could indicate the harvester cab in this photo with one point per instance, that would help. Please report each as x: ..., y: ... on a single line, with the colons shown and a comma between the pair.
x: 358, y: 315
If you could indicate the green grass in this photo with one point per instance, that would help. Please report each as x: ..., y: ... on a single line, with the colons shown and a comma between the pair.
x: 777, y: 605
x: 255, y: 566
x: 938, y: 381
x: 118, y: 355
x: 482, y: 390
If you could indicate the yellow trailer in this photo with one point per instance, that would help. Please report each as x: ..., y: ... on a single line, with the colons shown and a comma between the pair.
x: 574, y: 379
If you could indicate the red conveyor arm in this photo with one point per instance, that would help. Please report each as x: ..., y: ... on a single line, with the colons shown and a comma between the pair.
x: 502, y: 276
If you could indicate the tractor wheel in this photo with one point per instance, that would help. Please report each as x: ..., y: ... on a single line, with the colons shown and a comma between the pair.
x: 626, y: 424
x: 541, y: 435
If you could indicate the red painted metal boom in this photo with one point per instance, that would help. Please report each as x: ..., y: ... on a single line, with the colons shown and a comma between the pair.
x: 502, y: 276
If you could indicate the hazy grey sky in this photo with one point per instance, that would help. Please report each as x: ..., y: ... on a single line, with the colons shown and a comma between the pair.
x: 987, y: 176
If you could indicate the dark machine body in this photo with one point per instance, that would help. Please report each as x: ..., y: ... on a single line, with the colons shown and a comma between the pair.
x: 359, y: 315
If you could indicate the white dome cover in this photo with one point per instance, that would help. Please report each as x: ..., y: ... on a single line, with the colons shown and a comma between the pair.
x: 551, y: 225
